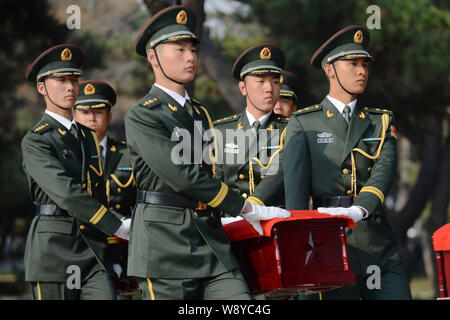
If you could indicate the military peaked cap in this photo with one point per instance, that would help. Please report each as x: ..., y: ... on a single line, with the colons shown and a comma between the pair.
x: 95, y: 95
x: 259, y: 59
x: 348, y: 43
x: 171, y: 24
x: 59, y: 61
x: 290, y: 85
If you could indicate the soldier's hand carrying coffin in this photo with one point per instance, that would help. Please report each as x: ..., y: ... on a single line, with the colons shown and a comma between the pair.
x: 259, y: 213
x: 124, y: 229
x: 353, y: 212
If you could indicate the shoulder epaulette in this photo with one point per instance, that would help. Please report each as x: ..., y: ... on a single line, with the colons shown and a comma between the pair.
x: 84, y: 130
x: 282, y: 119
x: 83, y: 127
x: 197, y: 105
x: 150, y: 103
x: 118, y: 145
x: 195, y: 102
x: 41, y: 128
x: 227, y: 119
x: 377, y: 110
x: 114, y: 142
x: 316, y: 107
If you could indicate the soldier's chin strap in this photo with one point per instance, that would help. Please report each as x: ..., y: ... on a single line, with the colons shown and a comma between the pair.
x: 162, y: 70
x: 337, y: 77
x: 48, y: 95
x: 250, y: 99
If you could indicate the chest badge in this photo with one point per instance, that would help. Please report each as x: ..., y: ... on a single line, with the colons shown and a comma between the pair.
x: 325, y: 137
x: 231, y: 148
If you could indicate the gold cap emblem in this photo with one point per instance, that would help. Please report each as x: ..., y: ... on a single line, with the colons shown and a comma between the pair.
x: 182, y: 17
x: 265, y: 54
x: 358, y: 37
x: 89, y: 89
x: 66, y: 55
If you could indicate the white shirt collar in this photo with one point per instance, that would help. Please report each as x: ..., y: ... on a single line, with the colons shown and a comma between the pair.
x: 175, y: 96
x: 103, y: 144
x: 252, y: 119
x: 340, y: 105
x: 64, y: 121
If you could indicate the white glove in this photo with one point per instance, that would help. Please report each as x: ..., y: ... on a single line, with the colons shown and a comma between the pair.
x: 264, y: 213
x: 124, y: 229
x: 230, y: 220
x: 354, y: 212
x: 117, y: 269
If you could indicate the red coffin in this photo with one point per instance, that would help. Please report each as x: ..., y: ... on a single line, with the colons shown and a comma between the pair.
x: 304, y: 254
x: 441, y: 244
x: 125, y: 286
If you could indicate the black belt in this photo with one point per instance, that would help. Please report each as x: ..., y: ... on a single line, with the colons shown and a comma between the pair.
x: 340, y: 201
x: 51, y: 210
x: 168, y: 199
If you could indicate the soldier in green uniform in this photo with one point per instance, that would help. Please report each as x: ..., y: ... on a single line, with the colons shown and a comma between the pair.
x: 289, y: 94
x: 178, y: 248
x: 344, y: 156
x: 93, y: 109
x: 67, y: 241
x: 253, y: 139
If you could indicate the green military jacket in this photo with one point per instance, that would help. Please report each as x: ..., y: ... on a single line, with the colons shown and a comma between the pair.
x: 261, y: 182
x: 67, y: 172
x: 170, y: 241
x: 318, y: 163
x: 120, y: 193
x: 119, y: 179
